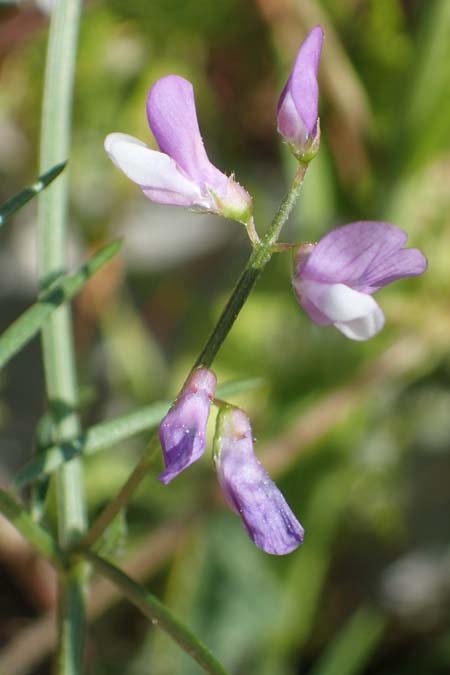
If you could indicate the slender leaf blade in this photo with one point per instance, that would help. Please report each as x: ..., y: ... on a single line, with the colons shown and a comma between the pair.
x: 18, y: 200
x: 29, y: 323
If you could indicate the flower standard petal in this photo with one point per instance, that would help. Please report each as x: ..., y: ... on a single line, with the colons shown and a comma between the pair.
x: 361, y: 255
x: 156, y: 173
x: 334, y: 281
x: 182, y: 432
x: 249, y: 490
x: 299, y: 100
x: 173, y: 119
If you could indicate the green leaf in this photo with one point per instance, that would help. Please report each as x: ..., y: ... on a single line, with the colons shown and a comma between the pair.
x: 158, y: 614
x: 65, y: 288
x: 39, y: 538
x: 21, y: 198
x: 102, y: 436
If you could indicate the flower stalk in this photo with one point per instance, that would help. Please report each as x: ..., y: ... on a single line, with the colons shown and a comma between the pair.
x: 257, y: 261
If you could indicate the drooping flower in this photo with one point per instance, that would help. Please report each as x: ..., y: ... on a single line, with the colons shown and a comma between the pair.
x: 249, y: 490
x: 181, y: 173
x: 182, y: 432
x: 334, y: 281
x: 298, y: 106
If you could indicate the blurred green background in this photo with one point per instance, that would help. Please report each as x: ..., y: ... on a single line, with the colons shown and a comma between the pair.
x: 356, y: 434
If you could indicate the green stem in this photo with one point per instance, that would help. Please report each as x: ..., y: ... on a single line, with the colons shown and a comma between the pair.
x: 122, y: 498
x: 39, y: 538
x: 262, y: 253
x: 57, y: 337
x: 158, y: 613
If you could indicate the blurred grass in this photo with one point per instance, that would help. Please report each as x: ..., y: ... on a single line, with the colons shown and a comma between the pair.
x: 368, y: 469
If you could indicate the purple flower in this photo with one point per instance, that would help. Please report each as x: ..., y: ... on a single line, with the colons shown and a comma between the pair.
x: 183, y: 430
x: 181, y: 173
x: 334, y: 283
x: 248, y: 488
x: 298, y: 120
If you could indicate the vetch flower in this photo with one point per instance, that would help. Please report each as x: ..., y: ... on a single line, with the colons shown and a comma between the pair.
x: 298, y: 120
x: 182, y: 432
x: 334, y: 281
x: 248, y: 488
x: 181, y: 173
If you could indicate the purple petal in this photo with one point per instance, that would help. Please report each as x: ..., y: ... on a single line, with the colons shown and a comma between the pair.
x: 299, y: 100
x: 364, y: 255
x: 183, y: 430
x: 173, y: 120
x: 248, y: 488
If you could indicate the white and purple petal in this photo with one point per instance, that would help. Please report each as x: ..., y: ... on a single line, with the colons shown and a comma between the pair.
x: 182, y: 432
x: 357, y: 315
x: 249, y: 490
x: 155, y: 172
x: 365, y: 255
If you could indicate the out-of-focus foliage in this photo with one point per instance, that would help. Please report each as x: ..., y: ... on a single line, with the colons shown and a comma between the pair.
x: 357, y: 435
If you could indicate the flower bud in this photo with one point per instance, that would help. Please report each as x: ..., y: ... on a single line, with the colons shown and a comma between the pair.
x: 248, y: 488
x: 183, y: 430
x: 298, y: 120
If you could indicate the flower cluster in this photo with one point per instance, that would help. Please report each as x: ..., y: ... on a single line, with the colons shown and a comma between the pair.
x: 334, y: 280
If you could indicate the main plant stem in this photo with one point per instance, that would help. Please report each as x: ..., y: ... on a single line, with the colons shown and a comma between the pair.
x: 57, y: 336
x: 262, y: 253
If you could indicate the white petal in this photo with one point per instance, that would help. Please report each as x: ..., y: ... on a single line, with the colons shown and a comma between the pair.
x: 363, y: 328
x: 338, y: 302
x: 149, y: 168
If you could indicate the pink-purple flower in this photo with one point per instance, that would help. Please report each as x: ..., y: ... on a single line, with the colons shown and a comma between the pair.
x: 298, y: 116
x: 180, y: 174
x: 334, y: 280
x: 182, y: 432
x: 249, y: 490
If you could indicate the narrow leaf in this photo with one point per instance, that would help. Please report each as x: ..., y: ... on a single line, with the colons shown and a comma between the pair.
x: 106, y: 434
x: 39, y: 538
x: 28, y: 324
x: 16, y: 202
x: 158, y: 614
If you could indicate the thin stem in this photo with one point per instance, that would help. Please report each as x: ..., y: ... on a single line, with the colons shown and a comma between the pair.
x: 123, y: 496
x: 39, y: 538
x: 57, y: 337
x: 259, y: 258
x: 158, y: 613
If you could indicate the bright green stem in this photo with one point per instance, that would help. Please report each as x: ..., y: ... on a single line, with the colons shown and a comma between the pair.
x: 58, y: 349
x: 158, y: 614
x: 262, y: 253
x: 39, y: 538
